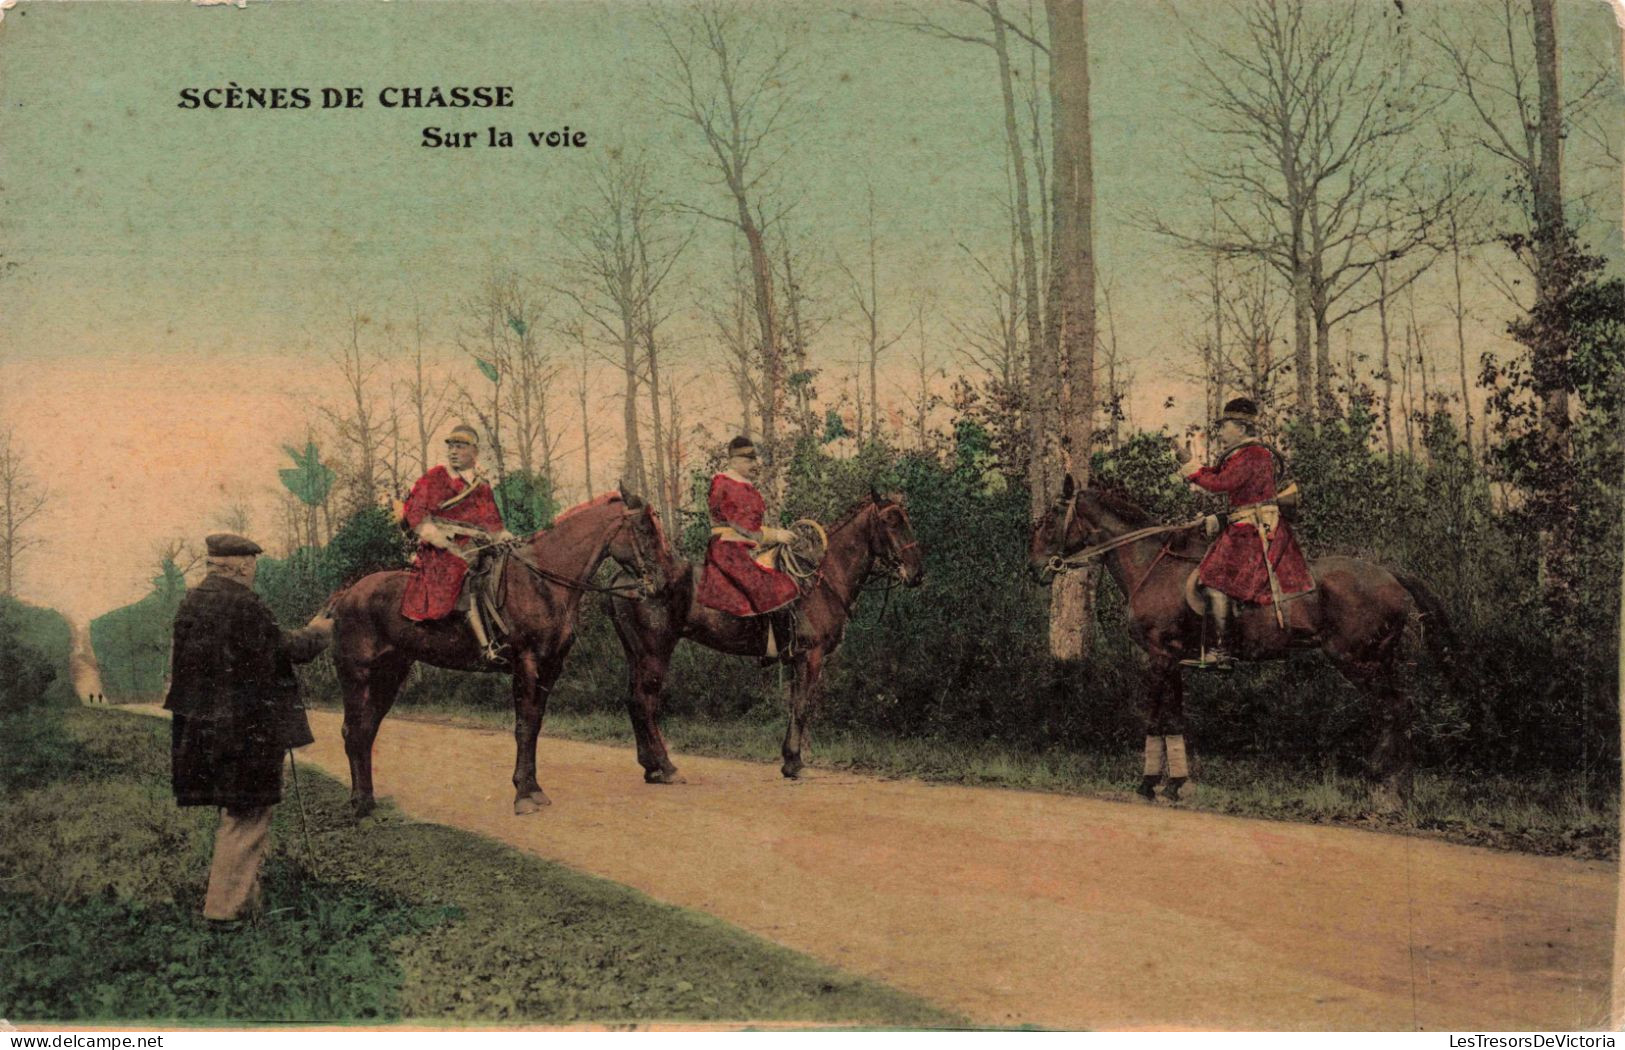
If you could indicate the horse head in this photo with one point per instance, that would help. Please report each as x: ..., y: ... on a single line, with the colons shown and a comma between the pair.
x: 639, y: 545
x: 891, y: 539
x: 1078, y: 518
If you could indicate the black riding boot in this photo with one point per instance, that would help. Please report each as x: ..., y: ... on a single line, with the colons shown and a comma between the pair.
x: 1217, y: 656
x: 779, y: 636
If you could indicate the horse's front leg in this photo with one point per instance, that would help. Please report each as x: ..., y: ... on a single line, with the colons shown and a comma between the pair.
x: 804, y: 689
x: 648, y: 644
x: 533, y: 679
x: 648, y: 674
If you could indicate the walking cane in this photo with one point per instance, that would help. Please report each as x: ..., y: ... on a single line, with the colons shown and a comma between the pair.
x: 304, y: 821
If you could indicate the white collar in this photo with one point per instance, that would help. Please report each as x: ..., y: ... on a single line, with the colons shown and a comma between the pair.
x: 732, y: 476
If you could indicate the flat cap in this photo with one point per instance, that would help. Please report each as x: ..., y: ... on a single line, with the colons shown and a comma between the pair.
x: 230, y: 545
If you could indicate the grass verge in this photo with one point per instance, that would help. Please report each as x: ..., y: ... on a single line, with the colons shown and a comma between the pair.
x: 102, y: 878
x: 1549, y: 815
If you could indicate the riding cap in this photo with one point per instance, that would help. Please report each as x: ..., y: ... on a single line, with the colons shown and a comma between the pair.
x: 464, y: 433
x: 230, y: 545
x: 1240, y: 409
x: 742, y: 446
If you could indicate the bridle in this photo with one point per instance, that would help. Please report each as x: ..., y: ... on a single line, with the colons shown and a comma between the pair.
x: 1060, y: 562
x: 891, y: 559
x: 643, y: 585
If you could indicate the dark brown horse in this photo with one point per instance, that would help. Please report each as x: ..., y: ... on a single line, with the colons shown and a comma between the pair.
x: 1356, y: 615
x: 875, y: 533
x: 374, y: 645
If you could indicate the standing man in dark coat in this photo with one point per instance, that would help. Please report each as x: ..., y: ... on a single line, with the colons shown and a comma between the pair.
x: 236, y: 710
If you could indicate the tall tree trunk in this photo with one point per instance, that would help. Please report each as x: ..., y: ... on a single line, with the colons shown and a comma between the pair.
x: 1043, y: 384
x: 1072, y: 603
x: 1325, y: 402
x: 1461, y: 340
x: 1551, y: 350
x: 1215, y: 386
x: 1387, y: 362
x: 586, y: 437
x: 632, y: 470
x: 1303, y: 364
x: 761, y: 271
x: 674, y: 452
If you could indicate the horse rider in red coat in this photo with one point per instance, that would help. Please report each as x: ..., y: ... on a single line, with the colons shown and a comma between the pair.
x: 1235, y: 568
x: 735, y: 582
x: 453, y: 512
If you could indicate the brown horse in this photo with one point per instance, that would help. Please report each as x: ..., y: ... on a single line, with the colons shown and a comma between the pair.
x: 875, y: 532
x: 1356, y: 615
x: 543, y: 581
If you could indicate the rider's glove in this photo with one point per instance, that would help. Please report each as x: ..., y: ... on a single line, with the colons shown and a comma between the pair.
x: 431, y: 534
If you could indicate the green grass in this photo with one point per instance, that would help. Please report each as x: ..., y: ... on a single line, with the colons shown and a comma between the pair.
x: 102, y: 877
x: 1547, y: 815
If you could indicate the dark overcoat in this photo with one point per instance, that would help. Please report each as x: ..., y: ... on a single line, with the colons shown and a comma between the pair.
x: 234, y: 696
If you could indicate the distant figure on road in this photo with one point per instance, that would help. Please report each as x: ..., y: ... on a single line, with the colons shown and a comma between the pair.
x: 236, y: 710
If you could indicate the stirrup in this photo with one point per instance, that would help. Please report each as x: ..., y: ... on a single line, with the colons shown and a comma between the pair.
x: 495, y: 654
x: 1211, y: 660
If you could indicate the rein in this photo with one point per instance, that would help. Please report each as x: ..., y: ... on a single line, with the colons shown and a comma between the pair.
x: 517, y: 549
x: 1078, y: 559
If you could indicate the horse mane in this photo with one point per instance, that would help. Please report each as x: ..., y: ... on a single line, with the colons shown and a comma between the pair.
x: 856, y: 509
x: 1130, y: 512
x: 603, y: 499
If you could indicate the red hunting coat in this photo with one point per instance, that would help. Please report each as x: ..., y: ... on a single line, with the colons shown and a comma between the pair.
x: 733, y: 582
x: 1235, y: 562
x: 437, y: 578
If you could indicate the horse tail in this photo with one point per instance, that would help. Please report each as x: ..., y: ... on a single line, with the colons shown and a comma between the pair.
x: 1439, y: 635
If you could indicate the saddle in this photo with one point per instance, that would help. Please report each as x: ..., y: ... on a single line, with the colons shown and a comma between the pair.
x: 486, y: 585
x: 1295, y: 612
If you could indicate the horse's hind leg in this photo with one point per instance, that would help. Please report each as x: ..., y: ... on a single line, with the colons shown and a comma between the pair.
x: 1391, y: 763
x: 360, y: 729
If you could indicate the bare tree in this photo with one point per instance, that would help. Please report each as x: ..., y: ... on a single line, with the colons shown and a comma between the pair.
x: 1523, y: 121
x: 1310, y: 112
x: 1117, y: 376
x: 864, y: 288
x: 739, y: 347
x: 991, y: 342
x: 22, y: 497
x: 428, y: 398
x: 803, y: 321
x: 1254, y: 314
x: 922, y: 398
x: 624, y: 255
x: 736, y: 86
x: 357, y: 422
x: 488, y: 342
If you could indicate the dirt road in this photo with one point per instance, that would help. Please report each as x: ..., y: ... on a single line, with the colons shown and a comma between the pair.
x: 1018, y: 908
